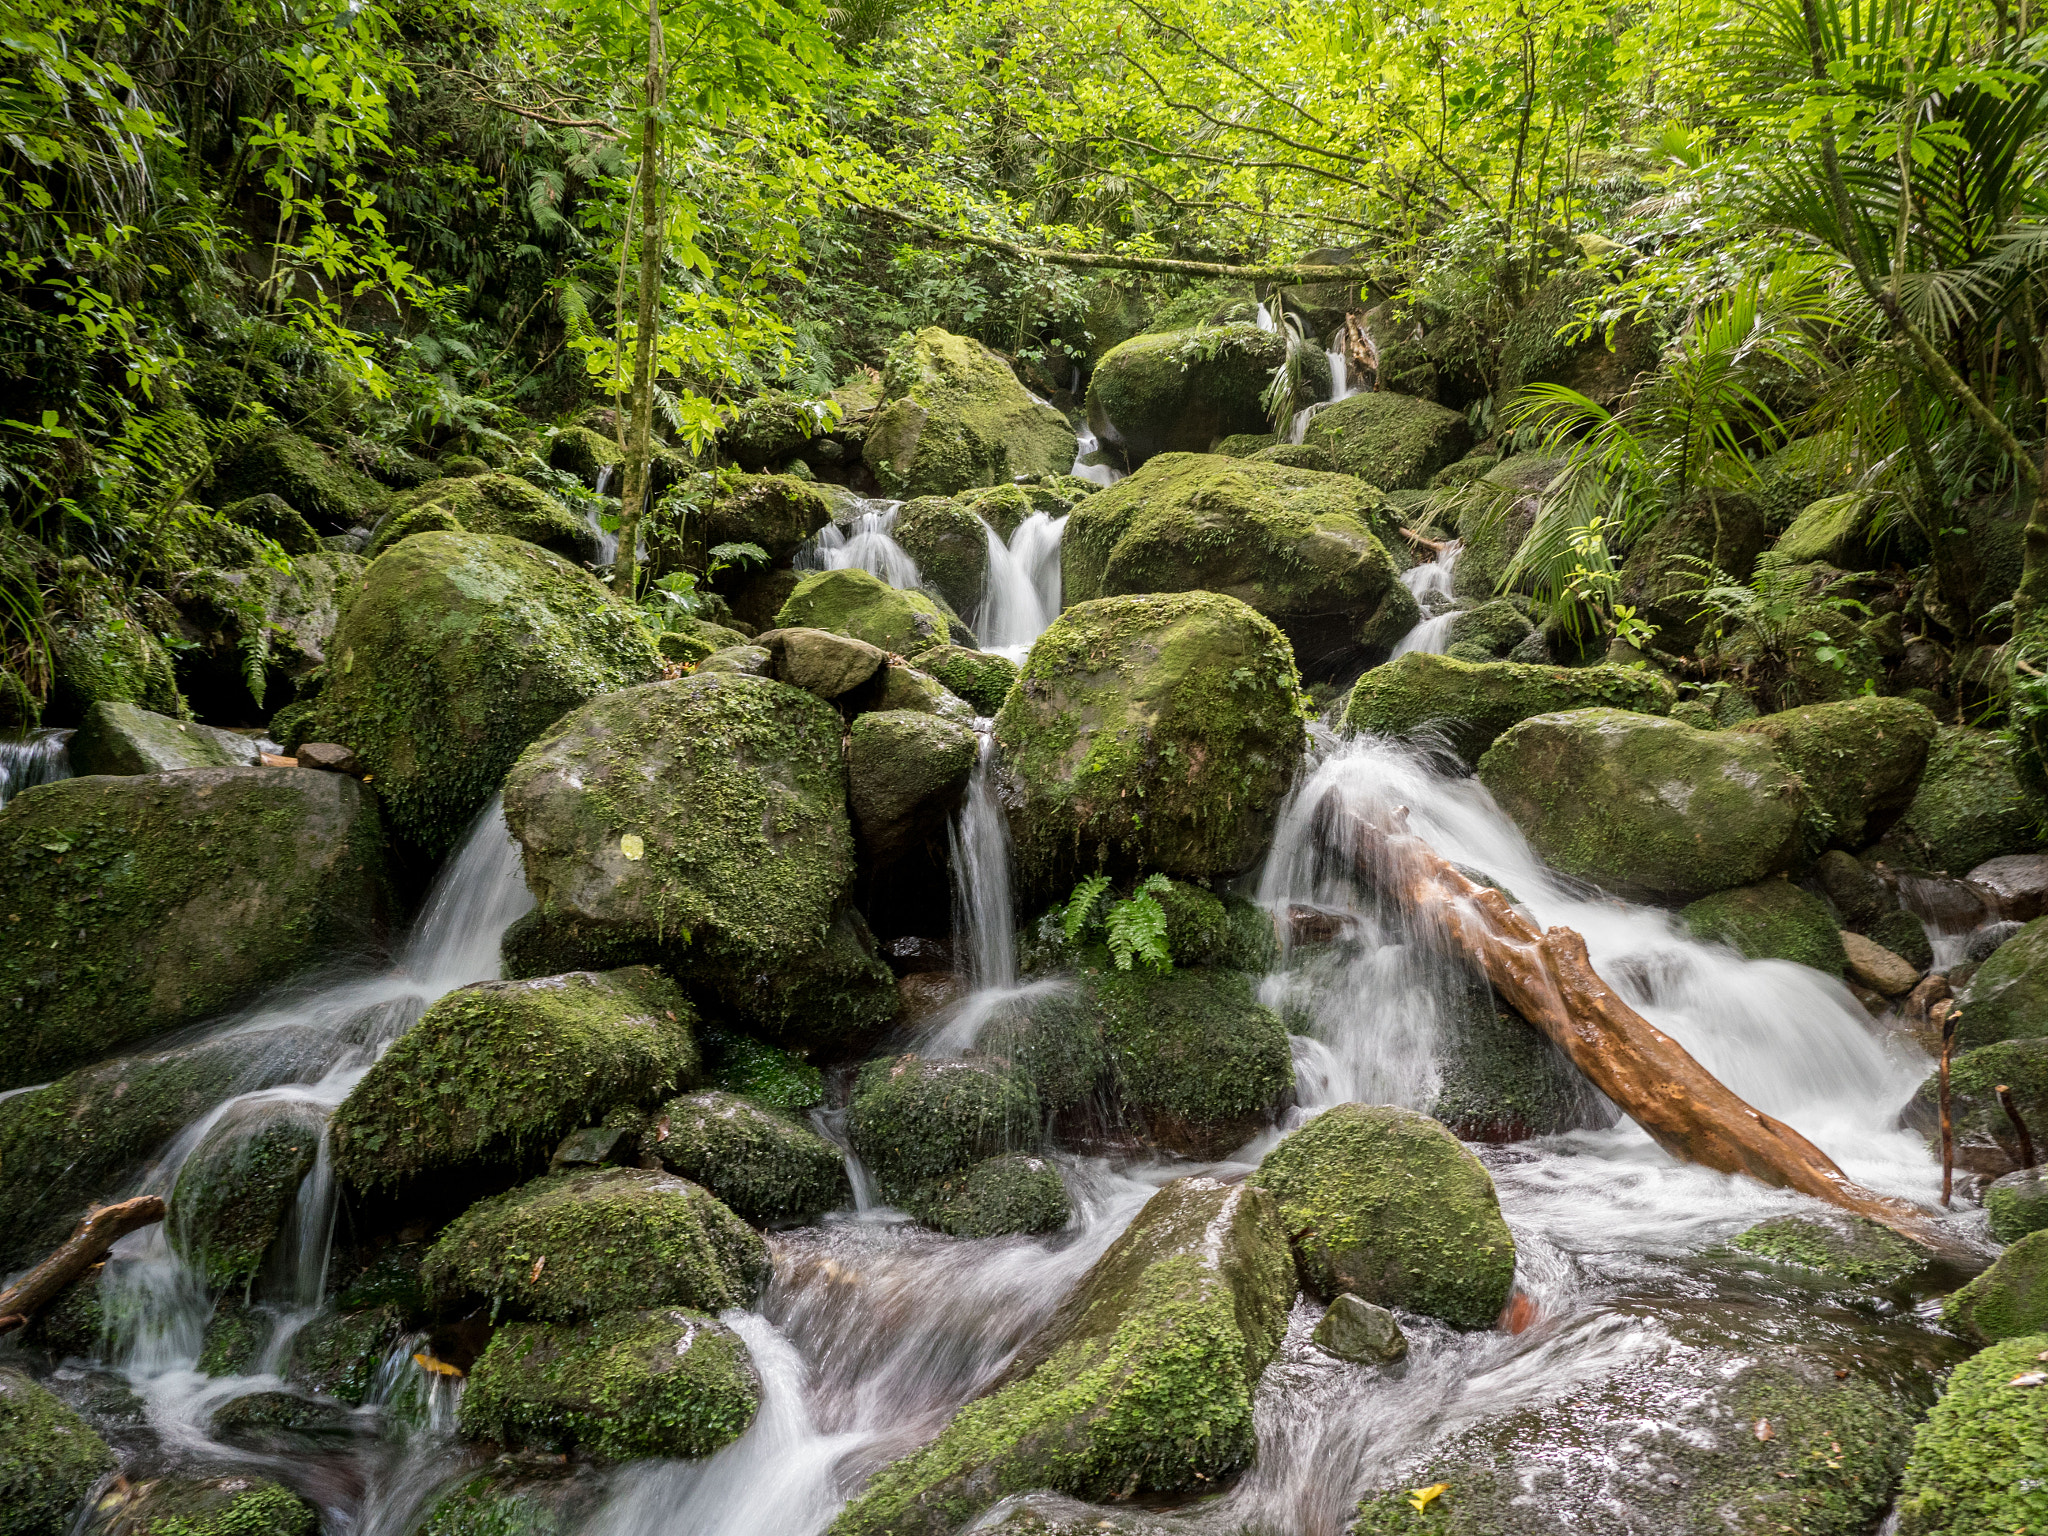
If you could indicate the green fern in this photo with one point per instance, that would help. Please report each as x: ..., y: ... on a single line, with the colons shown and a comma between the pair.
x: 1080, y: 909
x: 1137, y: 927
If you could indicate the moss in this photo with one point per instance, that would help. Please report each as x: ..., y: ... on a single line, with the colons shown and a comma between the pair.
x: 1053, y: 1035
x: 514, y: 1499
x: 773, y: 511
x: 766, y: 1166
x: 906, y: 774
x: 2017, y: 1205
x: 232, y: 1340
x: 235, y: 1505
x: 1494, y: 517
x: 1983, y: 1136
x: 235, y: 1189
x: 276, y: 519
x: 498, y: 1072
x: 1141, y: 1383
x: 770, y: 1077
x: 339, y: 1354
x: 949, y: 544
x: 1242, y: 445
x: 1180, y: 391
x: 2008, y: 1300
x: 432, y: 518
x: 276, y: 624
x: 854, y: 602
x: 1487, y: 632
x: 1847, y: 1249
x: 331, y: 495
x: 1970, y: 806
x: 994, y: 1198
x: 772, y: 426
x: 1539, y: 343
x: 493, y: 504
x: 1771, y: 920
x: 1228, y: 933
x: 664, y: 1382
x: 126, y: 739
x: 49, y: 1459
x: 1501, y: 1079
x: 1003, y: 507
x: 953, y: 416
x: 74, y: 1322
x: 1150, y: 734
x: 1387, y: 1204
x: 177, y: 896
x: 1858, y: 759
x: 913, y: 1121
x: 613, y: 1239
x: 980, y: 677
x: 579, y: 451
x: 901, y: 687
x: 1726, y: 529
x: 1396, y: 442
x: 1469, y: 705
x: 459, y: 651
x: 1980, y: 1462
x: 101, y: 650
x: 1905, y: 936
x: 1645, y: 806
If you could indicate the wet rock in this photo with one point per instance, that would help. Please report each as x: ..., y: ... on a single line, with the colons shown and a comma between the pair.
x: 1988, y: 940
x: 2009, y: 1300
x: 535, y: 1495
x: 954, y: 416
x: 1840, y: 1249
x: 170, y: 898
x: 330, y: 493
x: 1970, y: 807
x: 1227, y: 933
x: 1724, y: 528
x: 703, y: 824
x: 2015, y: 885
x: 1354, y: 1329
x: 1904, y: 935
x: 906, y: 774
x: 980, y: 677
x: 238, y: 1185
x: 1144, y: 399
x: 1860, y: 759
x: 1396, y: 442
x: 595, y: 1146
x: 1502, y: 1080
x: 662, y: 1382
x: 1644, y: 806
x: 1983, y: 1136
x: 1489, y: 632
x: 2017, y: 1204
x: 740, y: 661
x: 916, y: 1121
x: 233, y: 1505
x: 994, y: 1198
x: 49, y: 1459
x: 460, y: 650
x: 821, y: 662
x: 766, y: 1166
x: 1975, y: 1466
x: 282, y: 1424
x: 339, y: 1354
x: 924, y: 995
x: 774, y: 511
x: 1303, y: 549
x: 854, y: 602
x: 127, y: 739
x: 1494, y: 516
x: 1052, y: 1033
x: 2008, y: 997
x: 1771, y: 920
x: 949, y: 544
x: 1878, y: 968
x: 1857, y: 895
x: 1468, y: 705
x: 579, y: 451
x: 498, y: 1072
x: 1149, y: 734
x: 329, y: 757
x: 1141, y: 1383
x: 1387, y: 1204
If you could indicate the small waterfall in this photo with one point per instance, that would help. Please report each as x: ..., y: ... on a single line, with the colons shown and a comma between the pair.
x: 39, y: 757
x: 1085, y: 443
x: 1340, y: 389
x: 593, y: 515
x: 984, y: 920
x: 1264, y: 319
x: 1021, y: 594
x: 866, y: 541
x: 1431, y: 584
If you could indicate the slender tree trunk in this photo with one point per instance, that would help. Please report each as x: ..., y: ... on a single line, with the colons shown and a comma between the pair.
x: 638, y: 488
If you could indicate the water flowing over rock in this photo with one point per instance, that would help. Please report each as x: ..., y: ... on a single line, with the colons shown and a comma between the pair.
x: 1468, y: 705
x: 1179, y: 391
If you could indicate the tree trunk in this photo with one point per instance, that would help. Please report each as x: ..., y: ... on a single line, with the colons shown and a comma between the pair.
x: 1547, y: 976
x: 101, y: 1229
x: 638, y: 489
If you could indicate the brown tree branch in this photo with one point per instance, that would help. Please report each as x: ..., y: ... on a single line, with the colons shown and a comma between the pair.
x: 102, y: 1228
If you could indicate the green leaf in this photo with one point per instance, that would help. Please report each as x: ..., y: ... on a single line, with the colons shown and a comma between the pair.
x: 1080, y: 908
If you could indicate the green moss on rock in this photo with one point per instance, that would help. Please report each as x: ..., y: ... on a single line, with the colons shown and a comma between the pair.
x: 906, y: 774
x: 1970, y: 806
x: 771, y: 1077
x: 1858, y: 759
x: 50, y: 1459
x: 1980, y: 1462
x: 1844, y: 1249
x: 1771, y: 920
x: 914, y: 1120
x: 1396, y: 442
x: 2008, y: 997
x: 1500, y: 1079
x: 994, y: 1198
x: 954, y: 416
x: 855, y: 602
x: 329, y: 493
x: 2009, y: 1300
x: 774, y: 511
x: 238, y: 1185
x: 127, y: 739
x: 1488, y: 632
x: 949, y: 544
x: 980, y: 677
x: 511, y: 1498
x: 340, y: 1354
x: 1983, y: 1136
x: 2017, y: 1204
x: 232, y: 1505
x: 766, y: 1166
x: 1469, y: 704
x: 1180, y: 391
x: 1228, y: 932
x: 101, y: 650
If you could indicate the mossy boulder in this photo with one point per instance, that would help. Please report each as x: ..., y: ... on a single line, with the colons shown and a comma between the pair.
x: 1180, y: 391
x: 1859, y: 759
x: 1771, y: 920
x: 489, y: 503
x: 1488, y: 632
x: 329, y: 493
x: 1396, y: 442
x: 234, y: 619
x: 579, y: 451
x: 460, y: 650
x: 50, y: 1459
x: 1299, y: 547
x: 661, y: 1382
x: 982, y: 678
x: 498, y: 1072
x: 774, y: 511
x: 1500, y: 1079
x: 1726, y: 529
x: 613, y: 1240
x: 772, y: 426
x: 101, y: 650
x: 2017, y: 1204
x: 915, y: 1121
x: 1226, y: 932
x: 1971, y: 806
x: 1198, y: 1064
x: 703, y: 823
x: 232, y: 1505
x: 1469, y: 704
x: 405, y: 523
x: 1644, y: 806
x: 237, y: 1186
x: 1980, y: 1461
x: 2008, y: 997
x: 515, y: 1498
x: 1835, y: 1249
x: 994, y: 1198
x: 276, y: 519
x: 1003, y: 507
x: 1052, y: 1033
x: 950, y: 545
x: 953, y: 416
x: 1389, y: 1206
x: 764, y: 1074
x: 1494, y: 516
x: 766, y: 1166
x: 1983, y: 1137
x: 128, y: 739
x: 855, y: 602
x: 1150, y: 734
x: 2009, y: 1300
x: 179, y: 895
x: 906, y: 774
x: 1141, y: 1383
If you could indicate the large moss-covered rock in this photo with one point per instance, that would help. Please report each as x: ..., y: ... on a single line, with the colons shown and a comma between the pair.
x: 662, y: 1382
x: 1971, y: 806
x: 851, y: 601
x: 1771, y: 920
x: 2016, y: 1204
x: 2009, y: 1300
x: 516, y: 1498
x: 1980, y: 1462
x: 953, y: 416
x: 994, y: 1198
x: 128, y: 739
x: 1500, y: 1079
x: 1726, y: 529
x: 182, y: 1505
x: 461, y: 649
x: 1984, y: 1141
x: 2008, y: 997
x: 1396, y: 442
x: 766, y: 1166
x: 1197, y: 1063
x: 1180, y: 391
x: 950, y: 545
x: 774, y: 511
x: 1488, y: 632
x: 1142, y: 1382
x: 613, y: 1240
x: 1468, y: 704
x: 238, y: 1185
x: 101, y: 650
x: 331, y: 494
x: 1858, y: 759
x: 915, y: 1121
x: 1150, y: 734
x: 1297, y: 546
x: 1495, y: 514
x: 1835, y: 1249
x: 982, y: 678
x: 1389, y: 1205
x: 496, y: 1073
x: 488, y: 503
x: 257, y: 635
x: 1645, y: 806
x: 49, y: 1459
x: 703, y: 823
x: 177, y: 896
x: 906, y: 772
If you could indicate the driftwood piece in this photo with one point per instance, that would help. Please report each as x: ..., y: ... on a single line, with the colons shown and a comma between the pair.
x: 1548, y: 977
x: 103, y: 1226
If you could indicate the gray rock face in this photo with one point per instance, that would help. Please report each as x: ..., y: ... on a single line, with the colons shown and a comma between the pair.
x: 906, y: 774
x: 820, y: 662
x: 116, y: 738
x: 1354, y: 1329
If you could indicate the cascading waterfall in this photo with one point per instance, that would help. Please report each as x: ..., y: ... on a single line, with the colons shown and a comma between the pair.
x: 866, y: 541
x: 984, y: 920
x: 1021, y: 594
x: 1340, y: 389
x: 1431, y: 583
x: 38, y: 757
x: 1087, y: 443
x: 593, y: 515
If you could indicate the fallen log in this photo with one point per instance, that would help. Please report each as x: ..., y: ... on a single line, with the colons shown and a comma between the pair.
x: 1548, y: 977
x: 103, y: 1226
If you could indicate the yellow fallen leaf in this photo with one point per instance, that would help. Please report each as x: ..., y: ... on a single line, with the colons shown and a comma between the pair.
x: 631, y: 846
x: 438, y: 1367
x: 1420, y: 1499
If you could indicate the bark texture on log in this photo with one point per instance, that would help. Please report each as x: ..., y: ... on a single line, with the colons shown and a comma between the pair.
x: 1548, y: 977
x: 103, y: 1227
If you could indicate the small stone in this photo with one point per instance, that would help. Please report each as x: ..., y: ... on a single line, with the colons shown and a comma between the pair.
x: 1356, y: 1330
x: 1878, y: 968
x: 330, y: 756
x: 822, y: 663
x: 592, y: 1147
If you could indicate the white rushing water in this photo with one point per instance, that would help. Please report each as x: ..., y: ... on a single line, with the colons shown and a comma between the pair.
x: 1086, y: 444
x: 1431, y: 583
x: 866, y: 541
x: 593, y: 516
x: 1021, y: 593
x: 1340, y: 389
x: 35, y: 757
